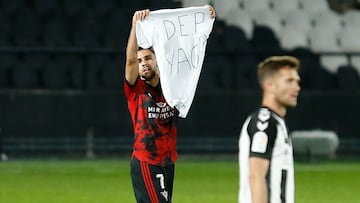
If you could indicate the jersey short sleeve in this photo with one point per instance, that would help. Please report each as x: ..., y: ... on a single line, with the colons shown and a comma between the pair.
x: 262, y: 131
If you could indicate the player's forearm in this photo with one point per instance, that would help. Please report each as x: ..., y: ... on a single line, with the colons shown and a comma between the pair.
x: 131, y: 68
x: 132, y: 47
x: 258, y: 170
x: 258, y: 190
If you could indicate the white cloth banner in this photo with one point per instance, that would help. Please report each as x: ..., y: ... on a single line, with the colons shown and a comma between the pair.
x: 179, y: 38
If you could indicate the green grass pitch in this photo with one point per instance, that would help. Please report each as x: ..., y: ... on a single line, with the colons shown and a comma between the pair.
x: 196, y: 180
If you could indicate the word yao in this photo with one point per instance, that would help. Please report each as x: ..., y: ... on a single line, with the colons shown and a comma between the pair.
x: 181, y: 47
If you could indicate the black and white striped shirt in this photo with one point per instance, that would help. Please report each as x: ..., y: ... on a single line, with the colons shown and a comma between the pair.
x: 264, y: 134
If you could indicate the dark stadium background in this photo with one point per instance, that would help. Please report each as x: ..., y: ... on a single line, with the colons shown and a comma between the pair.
x: 61, y: 75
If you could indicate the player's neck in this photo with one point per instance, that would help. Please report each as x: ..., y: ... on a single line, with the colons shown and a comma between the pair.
x: 154, y: 81
x: 274, y: 106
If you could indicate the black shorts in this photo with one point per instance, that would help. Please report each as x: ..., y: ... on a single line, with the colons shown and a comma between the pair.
x: 152, y: 184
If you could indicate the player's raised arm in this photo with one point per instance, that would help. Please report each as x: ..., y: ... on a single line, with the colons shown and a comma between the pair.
x: 132, y: 66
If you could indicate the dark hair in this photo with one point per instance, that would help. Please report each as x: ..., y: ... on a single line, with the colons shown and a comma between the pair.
x: 272, y: 64
x: 150, y: 48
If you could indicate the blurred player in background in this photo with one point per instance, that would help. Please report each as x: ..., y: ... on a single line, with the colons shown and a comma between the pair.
x: 265, y: 148
x: 154, y: 151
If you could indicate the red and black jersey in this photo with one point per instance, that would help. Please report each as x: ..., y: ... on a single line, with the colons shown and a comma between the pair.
x: 154, y: 123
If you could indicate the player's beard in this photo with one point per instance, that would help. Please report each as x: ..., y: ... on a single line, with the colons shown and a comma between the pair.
x: 148, y: 76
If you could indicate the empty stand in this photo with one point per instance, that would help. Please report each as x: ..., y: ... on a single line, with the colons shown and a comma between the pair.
x: 309, y: 60
x: 23, y: 77
x: 351, y: 18
x: 75, y: 64
x: 5, y: 22
x: 254, y: 6
x: 215, y: 42
x: 298, y: 19
x: 55, y: 75
x: 8, y: 61
x: 349, y: 39
x: 313, y: 75
x: 268, y: 18
x: 332, y: 63
x: 245, y: 32
x: 129, y: 7
x: 101, y: 8
x: 36, y: 61
x: 284, y: 5
x: 163, y: 4
x: 39, y: 41
x: 26, y: 28
x: 46, y: 7
x: 95, y: 63
x: 328, y: 20
x: 241, y: 19
x: 64, y: 71
x: 12, y: 7
x: 26, y: 72
x: 348, y: 78
x: 4, y: 39
x: 74, y: 8
x: 312, y: 6
x: 321, y: 42
x: 217, y: 74
x: 86, y: 31
x: 112, y: 76
x: 245, y: 71
x: 355, y: 62
x: 265, y: 42
x: 5, y: 29
x: 116, y: 30
x: 188, y: 3
x: 56, y: 32
x: 235, y: 41
x: 293, y: 37
x: 222, y: 9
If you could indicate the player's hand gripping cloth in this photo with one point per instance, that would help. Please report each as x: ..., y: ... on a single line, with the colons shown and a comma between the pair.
x: 179, y: 38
